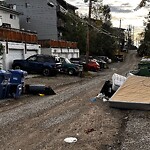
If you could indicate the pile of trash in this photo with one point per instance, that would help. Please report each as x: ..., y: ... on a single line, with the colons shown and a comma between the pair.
x: 110, y: 87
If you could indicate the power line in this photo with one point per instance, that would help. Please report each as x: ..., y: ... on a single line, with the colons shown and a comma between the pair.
x: 89, y: 24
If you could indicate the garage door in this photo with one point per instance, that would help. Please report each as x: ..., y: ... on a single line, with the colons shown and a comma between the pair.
x: 30, y: 53
x: 13, y: 54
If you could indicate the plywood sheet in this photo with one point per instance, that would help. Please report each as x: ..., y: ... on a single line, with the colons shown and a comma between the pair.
x: 136, y: 89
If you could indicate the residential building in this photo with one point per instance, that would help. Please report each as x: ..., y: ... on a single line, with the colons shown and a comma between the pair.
x: 63, y: 8
x: 9, y: 17
x: 46, y: 17
x: 38, y: 16
x: 15, y: 43
x: 61, y: 48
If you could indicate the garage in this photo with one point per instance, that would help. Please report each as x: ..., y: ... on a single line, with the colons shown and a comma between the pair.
x: 14, y: 54
x: 31, y: 52
x: 14, y: 51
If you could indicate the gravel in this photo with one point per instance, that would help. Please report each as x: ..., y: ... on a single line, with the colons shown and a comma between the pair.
x: 42, y: 123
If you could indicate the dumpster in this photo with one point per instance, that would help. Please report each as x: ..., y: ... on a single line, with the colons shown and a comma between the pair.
x: 16, y: 83
x: 4, y: 80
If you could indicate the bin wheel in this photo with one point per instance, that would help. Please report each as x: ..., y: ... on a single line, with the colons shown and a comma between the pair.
x: 46, y: 71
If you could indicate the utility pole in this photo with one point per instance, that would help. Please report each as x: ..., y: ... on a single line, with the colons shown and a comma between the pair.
x: 120, y: 37
x: 120, y: 24
x: 88, y: 32
x: 133, y: 35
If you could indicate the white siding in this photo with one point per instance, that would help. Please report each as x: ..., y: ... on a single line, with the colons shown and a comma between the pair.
x: 30, y: 52
x: 61, y: 52
x: 5, y: 18
x: 18, y: 51
x: 14, y: 54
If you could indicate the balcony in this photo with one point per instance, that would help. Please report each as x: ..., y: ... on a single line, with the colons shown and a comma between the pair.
x: 60, y: 24
x: 61, y: 44
x: 14, y: 35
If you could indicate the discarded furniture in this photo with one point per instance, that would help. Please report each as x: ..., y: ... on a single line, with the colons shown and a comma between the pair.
x: 133, y: 94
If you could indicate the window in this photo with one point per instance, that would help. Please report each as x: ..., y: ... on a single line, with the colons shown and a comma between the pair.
x: 27, y: 5
x: 40, y: 59
x: 32, y: 58
x: 28, y: 19
x: 12, y: 16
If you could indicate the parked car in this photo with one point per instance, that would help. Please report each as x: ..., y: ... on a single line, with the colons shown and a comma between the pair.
x: 43, y: 64
x: 105, y: 58
x: 65, y: 66
x: 102, y: 63
x: 78, y: 61
x: 119, y: 58
x: 93, y: 65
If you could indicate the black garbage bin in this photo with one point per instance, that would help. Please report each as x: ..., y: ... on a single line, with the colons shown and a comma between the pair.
x: 4, y: 81
x: 16, y: 83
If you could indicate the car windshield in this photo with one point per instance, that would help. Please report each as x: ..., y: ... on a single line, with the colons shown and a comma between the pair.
x: 67, y: 61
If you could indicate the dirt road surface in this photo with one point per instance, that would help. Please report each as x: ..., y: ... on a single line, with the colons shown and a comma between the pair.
x: 42, y: 123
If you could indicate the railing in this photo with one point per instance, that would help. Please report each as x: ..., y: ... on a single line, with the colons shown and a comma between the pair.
x: 14, y: 35
x: 60, y: 44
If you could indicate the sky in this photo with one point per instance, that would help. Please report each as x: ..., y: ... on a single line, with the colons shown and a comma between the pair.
x: 120, y: 10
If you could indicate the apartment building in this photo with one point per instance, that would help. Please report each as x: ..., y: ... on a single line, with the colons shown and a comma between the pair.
x: 15, y: 43
x: 46, y: 17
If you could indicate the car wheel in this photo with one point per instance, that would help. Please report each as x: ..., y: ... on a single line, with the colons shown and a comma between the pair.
x: 70, y: 71
x: 46, y: 72
x: 17, y: 67
x: 93, y: 69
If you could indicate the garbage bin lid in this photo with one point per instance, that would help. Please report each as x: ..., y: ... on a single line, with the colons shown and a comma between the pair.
x: 18, y: 71
x: 2, y: 71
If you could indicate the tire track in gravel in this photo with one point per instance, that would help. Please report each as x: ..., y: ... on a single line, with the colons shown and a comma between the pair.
x: 50, y: 120
x: 44, y: 103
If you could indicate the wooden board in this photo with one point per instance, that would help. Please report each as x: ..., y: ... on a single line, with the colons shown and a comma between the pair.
x: 134, y: 91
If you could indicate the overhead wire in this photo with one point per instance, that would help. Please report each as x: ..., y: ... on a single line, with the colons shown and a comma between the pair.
x: 89, y: 24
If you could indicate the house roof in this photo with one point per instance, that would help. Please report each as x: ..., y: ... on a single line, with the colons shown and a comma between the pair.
x: 10, y: 10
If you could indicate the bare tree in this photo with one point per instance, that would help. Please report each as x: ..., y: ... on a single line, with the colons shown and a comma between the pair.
x: 142, y: 4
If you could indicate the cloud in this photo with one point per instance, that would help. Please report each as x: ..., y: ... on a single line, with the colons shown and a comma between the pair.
x: 126, y: 4
x: 118, y: 9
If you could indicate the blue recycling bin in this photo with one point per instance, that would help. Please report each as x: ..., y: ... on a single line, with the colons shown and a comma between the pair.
x: 16, y: 83
x: 4, y: 81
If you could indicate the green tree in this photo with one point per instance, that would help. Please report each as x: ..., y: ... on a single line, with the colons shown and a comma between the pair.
x: 75, y: 31
x: 144, y: 49
x: 97, y: 10
x: 101, y: 41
